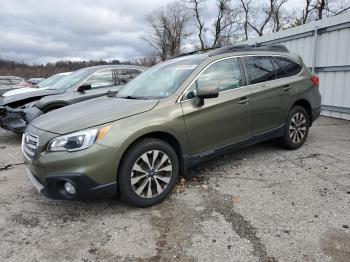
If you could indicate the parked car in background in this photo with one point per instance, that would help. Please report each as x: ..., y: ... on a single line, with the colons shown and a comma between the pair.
x: 16, y: 111
x: 44, y: 84
x: 173, y: 116
x: 35, y: 81
x: 52, y: 80
x: 8, y: 83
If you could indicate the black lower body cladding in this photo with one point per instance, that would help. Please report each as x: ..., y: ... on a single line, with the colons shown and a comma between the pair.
x: 315, y: 114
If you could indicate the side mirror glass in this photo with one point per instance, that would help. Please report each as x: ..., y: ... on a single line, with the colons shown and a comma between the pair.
x: 83, y: 88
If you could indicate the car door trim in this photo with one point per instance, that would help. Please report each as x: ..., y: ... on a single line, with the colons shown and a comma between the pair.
x: 242, y: 143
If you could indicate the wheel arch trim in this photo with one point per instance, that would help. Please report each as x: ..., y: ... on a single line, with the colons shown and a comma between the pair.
x: 165, y: 135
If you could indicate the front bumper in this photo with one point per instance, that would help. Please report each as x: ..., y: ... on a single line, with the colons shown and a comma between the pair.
x: 16, y: 120
x: 12, y: 119
x: 92, y: 171
x: 86, y: 188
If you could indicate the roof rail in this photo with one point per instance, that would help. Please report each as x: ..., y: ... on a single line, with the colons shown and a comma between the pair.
x: 245, y: 47
x: 194, y: 52
x: 272, y: 47
x: 236, y: 48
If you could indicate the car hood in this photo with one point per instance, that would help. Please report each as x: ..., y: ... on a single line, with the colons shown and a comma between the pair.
x: 91, y: 113
x: 20, y: 91
x: 33, y: 94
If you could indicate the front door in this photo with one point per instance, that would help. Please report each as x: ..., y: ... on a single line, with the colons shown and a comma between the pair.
x: 222, y: 120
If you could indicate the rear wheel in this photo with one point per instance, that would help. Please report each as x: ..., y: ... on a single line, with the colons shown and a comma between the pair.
x: 148, y: 172
x: 297, y: 128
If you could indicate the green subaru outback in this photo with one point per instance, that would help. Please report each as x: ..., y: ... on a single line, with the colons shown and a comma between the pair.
x: 171, y: 117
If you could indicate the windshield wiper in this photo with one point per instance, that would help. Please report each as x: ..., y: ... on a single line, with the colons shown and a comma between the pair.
x: 112, y: 93
x: 132, y: 97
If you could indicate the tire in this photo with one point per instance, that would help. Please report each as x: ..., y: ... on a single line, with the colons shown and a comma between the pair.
x: 296, y: 129
x: 148, y: 172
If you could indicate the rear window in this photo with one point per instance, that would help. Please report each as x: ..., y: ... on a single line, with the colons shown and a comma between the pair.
x: 289, y: 66
x: 279, y: 71
x: 260, y: 69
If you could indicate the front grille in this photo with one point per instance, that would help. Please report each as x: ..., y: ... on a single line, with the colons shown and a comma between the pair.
x: 29, y: 144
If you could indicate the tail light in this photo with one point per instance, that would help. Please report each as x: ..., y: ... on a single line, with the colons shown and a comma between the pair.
x: 315, y: 80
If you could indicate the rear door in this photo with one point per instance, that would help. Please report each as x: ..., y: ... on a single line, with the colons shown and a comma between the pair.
x: 271, y: 92
x: 222, y: 120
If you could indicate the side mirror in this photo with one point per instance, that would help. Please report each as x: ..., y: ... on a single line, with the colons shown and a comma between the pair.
x: 206, y: 93
x: 83, y: 88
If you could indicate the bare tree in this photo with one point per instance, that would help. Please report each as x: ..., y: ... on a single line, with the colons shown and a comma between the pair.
x: 196, y: 7
x: 277, y: 15
x: 306, y: 11
x: 320, y: 6
x: 246, y: 8
x: 256, y: 19
x: 168, y: 29
x: 146, y: 61
x: 232, y: 21
x: 317, y: 9
x: 224, y: 23
x: 337, y: 7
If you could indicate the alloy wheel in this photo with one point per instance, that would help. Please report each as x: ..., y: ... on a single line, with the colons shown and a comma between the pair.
x: 151, y: 174
x: 297, y: 127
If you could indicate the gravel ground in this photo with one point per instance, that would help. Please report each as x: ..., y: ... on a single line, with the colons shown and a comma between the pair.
x: 262, y: 203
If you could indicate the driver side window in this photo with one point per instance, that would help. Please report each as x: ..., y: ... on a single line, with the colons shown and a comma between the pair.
x: 225, y: 75
x: 100, y: 79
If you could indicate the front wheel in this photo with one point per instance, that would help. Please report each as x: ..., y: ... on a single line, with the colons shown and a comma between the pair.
x: 148, y: 172
x: 297, y: 128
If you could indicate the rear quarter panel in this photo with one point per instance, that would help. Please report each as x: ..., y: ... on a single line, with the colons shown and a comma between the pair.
x: 305, y: 90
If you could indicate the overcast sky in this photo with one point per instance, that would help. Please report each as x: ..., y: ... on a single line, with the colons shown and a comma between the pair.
x: 40, y: 31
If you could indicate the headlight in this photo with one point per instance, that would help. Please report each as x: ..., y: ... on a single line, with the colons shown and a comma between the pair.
x: 78, y: 140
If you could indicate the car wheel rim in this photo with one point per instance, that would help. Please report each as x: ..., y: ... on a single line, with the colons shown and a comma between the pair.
x: 151, y: 174
x: 297, y: 127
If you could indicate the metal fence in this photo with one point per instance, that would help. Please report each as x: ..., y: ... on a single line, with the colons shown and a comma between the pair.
x: 324, y: 46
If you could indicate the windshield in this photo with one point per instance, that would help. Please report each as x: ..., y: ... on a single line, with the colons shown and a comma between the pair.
x: 161, y: 80
x: 48, y: 82
x: 71, y: 80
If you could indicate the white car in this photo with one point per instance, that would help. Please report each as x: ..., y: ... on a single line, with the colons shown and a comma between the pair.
x: 43, y: 85
x: 9, y: 83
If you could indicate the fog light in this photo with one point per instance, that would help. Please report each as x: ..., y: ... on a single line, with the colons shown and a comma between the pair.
x: 70, y: 188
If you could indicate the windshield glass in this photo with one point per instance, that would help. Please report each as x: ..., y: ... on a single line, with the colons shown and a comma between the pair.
x: 161, y: 80
x: 72, y: 79
x: 48, y: 82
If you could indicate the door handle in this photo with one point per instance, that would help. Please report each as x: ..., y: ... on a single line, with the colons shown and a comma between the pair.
x: 243, y: 100
x: 287, y: 88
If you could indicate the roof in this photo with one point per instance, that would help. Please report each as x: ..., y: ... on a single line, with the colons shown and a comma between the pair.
x: 63, y: 74
x: 10, y: 77
x: 116, y: 67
